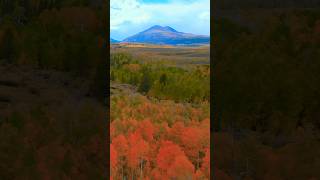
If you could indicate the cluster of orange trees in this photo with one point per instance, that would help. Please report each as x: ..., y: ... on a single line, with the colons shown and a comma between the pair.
x: 158, y: 139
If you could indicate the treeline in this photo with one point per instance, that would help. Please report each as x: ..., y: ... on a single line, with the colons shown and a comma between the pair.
x: 161, y: 81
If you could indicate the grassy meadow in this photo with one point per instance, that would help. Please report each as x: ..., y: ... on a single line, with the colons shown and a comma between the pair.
x: 177, y: 55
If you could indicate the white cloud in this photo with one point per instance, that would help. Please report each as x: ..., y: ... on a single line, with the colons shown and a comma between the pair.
x: 205, y: 16
x: 126, y: 11
x: 131, y: 16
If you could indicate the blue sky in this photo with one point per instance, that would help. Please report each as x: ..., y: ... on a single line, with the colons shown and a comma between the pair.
x: 154, y: 1
x: 129, y: 17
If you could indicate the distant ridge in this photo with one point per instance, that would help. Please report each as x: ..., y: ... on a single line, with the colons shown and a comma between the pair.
x: 167, y: 35
x: 114, y: 41
x: 160, y: 28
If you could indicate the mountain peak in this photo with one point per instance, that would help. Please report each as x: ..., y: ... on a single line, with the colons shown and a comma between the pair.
x: 156, y: 27
x: 166, y: 35
x: 160, y: 28
x: 168, y: 28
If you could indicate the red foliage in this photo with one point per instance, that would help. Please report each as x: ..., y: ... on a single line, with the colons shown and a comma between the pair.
x: 176, y: 131
x: 147, y: 147
x: 192, y: 142
x: 133, y: 153
x: 206, y: 163
x: 113, y: 157
x: 120, y: 144
x: 138, y: 150
x: 181, y: 168
x: 146, y: 129
x: 156, y: 174
x: 199, y: 175
x: 167, y: 153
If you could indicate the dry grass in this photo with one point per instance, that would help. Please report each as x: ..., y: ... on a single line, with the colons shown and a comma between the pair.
x: 177, y: 55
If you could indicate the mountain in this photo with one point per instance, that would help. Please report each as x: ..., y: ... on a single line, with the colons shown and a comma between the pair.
x: 167, y: 35
x: 114, y: 41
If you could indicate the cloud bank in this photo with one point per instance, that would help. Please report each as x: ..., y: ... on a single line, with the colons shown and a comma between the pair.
x: 128, y: 17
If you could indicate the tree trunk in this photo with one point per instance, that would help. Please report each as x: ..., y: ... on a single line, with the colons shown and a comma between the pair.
x: 141, y: 169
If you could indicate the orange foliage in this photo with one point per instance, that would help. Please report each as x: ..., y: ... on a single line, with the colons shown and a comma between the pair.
x: 167, y: 154
x: 113, y: 157
x: 138, y: 150
x: 121, y: 145
x: 152, y: 139
x: 181, y: 168
x: 206, y: 163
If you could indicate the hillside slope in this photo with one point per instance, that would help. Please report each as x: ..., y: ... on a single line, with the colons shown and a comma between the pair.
x: 167, y: 35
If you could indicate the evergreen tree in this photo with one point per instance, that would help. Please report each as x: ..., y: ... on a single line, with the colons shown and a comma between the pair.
x: 146, y: 82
